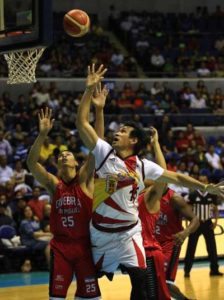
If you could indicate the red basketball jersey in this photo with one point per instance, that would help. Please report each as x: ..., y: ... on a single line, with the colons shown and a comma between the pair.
x: 70, y: 212
x: 148, y: 225
x: 170, y: 221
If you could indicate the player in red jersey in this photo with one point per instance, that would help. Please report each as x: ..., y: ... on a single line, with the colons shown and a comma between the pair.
x: 151, y: 204
x: 169, y: 230
x: 149, y: 208
x: 70, y: 216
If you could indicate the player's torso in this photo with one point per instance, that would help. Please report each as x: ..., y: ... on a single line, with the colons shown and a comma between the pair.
x: 71, y: 211
x: 117, y: 185
x: 148, y: 221
x: 169, y: 222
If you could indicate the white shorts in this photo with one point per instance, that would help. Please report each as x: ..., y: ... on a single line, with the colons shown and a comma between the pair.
x: 112, y: 249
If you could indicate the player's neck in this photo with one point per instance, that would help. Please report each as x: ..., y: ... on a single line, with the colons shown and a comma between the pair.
x: 68, y: 174
x: 125, y: 153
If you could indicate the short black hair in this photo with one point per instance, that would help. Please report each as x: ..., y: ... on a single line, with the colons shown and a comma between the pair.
x: 139, y: 133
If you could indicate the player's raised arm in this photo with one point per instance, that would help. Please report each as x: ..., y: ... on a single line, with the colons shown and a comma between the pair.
x: 41, y: 175
x: 86, y: 131
x: 190, y: 182
x: 155, y: 192
x: 155, y: 172
x: 98, y: 100
x: 159, y: 157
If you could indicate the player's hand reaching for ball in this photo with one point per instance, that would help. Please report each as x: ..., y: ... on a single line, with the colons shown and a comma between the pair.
x: 99, y: 96
x: 45, y: 121
x: 154, y: 135
x: 94, y: 77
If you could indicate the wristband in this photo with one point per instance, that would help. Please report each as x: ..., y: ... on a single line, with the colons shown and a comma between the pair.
x: 206, y: 186
x: 89, y: 88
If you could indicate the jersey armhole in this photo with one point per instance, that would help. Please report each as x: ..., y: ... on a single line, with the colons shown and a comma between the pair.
x: 143, y: 169
x: 106, y: 157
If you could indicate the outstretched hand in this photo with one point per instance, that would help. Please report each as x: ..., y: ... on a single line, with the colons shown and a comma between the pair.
x: 45, y: 120
x: 216, y: 189
x: 100, y: 95
x: 94, y: 77
x: 154, y: 135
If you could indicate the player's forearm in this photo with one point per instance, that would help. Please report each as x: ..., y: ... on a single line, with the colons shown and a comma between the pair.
x: 84, y: 108
x: 34, y: 152
x: 40, y: 233
x: 160, y: 160
x: 86, y: 131
x: 215, y: 213
x: 99, y: 123
x: 193, y: 225
x: 183, y: 180
x: 190, y: 182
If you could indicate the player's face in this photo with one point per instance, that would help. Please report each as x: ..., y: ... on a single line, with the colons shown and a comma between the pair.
x: 122, y: 139
x: 67, y: 159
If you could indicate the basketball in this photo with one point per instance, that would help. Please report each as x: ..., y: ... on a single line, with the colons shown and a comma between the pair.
x: 76, y: 23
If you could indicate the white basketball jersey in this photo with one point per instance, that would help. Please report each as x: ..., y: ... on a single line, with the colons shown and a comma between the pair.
x: 117, y: 186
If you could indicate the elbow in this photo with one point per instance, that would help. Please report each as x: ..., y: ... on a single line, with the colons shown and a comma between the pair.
x: 30, y: 162
x: 80, y: 124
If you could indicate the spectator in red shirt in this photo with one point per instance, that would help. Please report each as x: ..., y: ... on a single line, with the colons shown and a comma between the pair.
x: 125, y: 103
x: 36, y: 205
x: 182, y: 142
x: 199, y: 139
x: 128, y: 91
x: 189, y: 133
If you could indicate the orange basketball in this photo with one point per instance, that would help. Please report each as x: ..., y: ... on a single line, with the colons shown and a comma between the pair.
x: 76, y: 23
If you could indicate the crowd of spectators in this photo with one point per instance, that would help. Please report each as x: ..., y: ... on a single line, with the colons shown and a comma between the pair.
x: 174, y: 44
x: 165, y: 45
x: 24, y: 205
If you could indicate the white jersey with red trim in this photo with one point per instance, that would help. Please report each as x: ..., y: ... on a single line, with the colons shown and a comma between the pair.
x: 117, y: 185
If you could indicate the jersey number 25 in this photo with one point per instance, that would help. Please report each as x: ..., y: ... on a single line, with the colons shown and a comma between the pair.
x: 68, y: 221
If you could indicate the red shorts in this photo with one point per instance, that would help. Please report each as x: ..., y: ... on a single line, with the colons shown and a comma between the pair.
x: 156, y: 278
x: 171, y: 253
x: 68, y: 259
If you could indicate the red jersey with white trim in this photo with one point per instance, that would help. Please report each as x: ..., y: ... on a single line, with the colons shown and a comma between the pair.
x: 148, y: 225
x: 117, y: 185
x: 71, y: 211
x: 170, y: 221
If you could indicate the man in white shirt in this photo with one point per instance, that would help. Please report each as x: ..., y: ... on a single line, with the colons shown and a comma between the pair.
x: 157, y: 59
x: 213, y: 158
x: 115, y: 228
x: 6, y: 172
x: 203, y: 71
x: 198, y: 101
x: 5, y: 147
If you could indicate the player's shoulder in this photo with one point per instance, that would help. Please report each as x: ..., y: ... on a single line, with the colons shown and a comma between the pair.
x: 102, y: 143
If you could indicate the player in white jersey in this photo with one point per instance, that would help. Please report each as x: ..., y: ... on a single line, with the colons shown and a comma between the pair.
x: 115, y: 229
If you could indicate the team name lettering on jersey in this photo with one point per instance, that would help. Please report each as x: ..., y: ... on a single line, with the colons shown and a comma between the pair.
x: 67, y: 201
x: 163, y: 219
